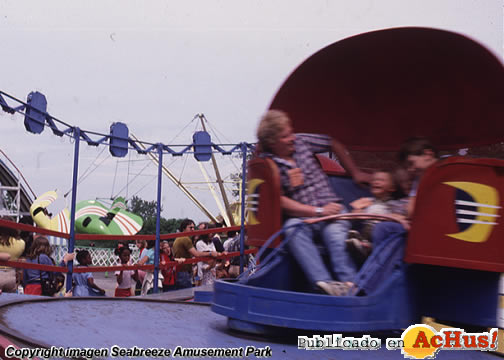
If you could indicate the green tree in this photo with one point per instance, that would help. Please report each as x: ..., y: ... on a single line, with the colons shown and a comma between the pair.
x: 147, y: 210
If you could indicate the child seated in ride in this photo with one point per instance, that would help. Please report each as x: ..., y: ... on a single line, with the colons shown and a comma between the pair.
x: 383, y: 188
x: 125, y: 278
x: 84, y: 284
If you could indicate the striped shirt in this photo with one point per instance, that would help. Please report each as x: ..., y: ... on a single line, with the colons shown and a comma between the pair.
x: 315, y: 189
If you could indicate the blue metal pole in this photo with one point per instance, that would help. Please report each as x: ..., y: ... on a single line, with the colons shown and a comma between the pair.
x: 158, y: 218
x: 243, y: 192
x: 71, y: 241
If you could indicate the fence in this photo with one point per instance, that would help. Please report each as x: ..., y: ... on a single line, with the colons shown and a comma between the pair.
x: 100, y: 256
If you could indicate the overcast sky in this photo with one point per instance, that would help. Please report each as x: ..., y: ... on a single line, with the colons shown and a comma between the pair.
x: 155, y: 64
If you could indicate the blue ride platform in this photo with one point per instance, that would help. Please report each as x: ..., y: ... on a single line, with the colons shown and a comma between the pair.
x: 256, y: 309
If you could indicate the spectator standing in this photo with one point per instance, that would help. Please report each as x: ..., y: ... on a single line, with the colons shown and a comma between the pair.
x: 206, y: 270
x: 39, y: 253
x: 169, y: 274
x: 84, y: 284
x: 141, y: 245
x: 216, y: 239
x: 125, y: 278
x: 230, y: 237
x: 148, y: 259
x: 234, y: 266
x: 183, y: 248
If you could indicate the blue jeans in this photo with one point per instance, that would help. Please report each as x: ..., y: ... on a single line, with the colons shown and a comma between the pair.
x: 389, y: 240
x: 183, y: 280
x: 333, y: 235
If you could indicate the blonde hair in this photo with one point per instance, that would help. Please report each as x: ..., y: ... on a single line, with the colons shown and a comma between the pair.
x: 141, y: 242
x: 270, y: 125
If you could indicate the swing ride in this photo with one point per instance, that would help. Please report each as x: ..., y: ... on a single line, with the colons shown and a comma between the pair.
x: 93, y: 217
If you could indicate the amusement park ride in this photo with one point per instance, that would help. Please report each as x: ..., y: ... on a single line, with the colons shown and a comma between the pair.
x: 373, y: 91
x: 91, y: 217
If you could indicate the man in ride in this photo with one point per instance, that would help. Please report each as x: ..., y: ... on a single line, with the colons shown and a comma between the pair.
x: 417, y: 154
x: 306, y: 192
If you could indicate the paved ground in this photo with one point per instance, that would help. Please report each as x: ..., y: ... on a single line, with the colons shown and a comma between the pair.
x: 184, y: 327
x: 108, y: 282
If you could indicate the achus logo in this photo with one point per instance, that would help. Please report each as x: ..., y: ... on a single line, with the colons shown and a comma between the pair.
x: 253, y: 200
x: 421, y: 341
x: 476, y: 207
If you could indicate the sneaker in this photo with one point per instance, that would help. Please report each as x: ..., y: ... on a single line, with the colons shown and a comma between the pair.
x: 335, y: 288
x: 362, y: 247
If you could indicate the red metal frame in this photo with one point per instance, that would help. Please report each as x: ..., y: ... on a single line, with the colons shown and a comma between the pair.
x: 435, y: 219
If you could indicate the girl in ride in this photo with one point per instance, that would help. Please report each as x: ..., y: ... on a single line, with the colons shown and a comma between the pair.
x: 383, y: 187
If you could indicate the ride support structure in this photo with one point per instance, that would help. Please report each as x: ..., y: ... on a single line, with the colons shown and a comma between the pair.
x: 36, y: 118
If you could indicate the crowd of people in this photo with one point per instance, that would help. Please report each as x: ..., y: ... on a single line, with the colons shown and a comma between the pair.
x: 24, y: 246
x: 179, y: 275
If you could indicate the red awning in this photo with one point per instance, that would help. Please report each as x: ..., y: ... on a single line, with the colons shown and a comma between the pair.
x: 374, y: 90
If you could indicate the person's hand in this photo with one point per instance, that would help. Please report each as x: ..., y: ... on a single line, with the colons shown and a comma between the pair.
x: 6, y: 257
x: 332, y: 209
x: 361, y: 203
x: 180, y: 260
x: 68, y: 294
x: 402, y: 220
x: 68, y: 257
